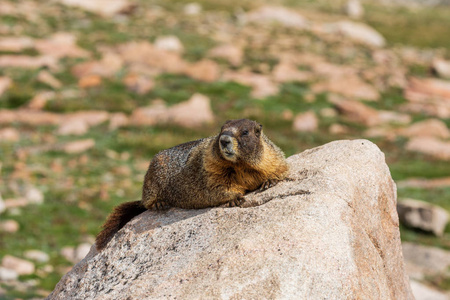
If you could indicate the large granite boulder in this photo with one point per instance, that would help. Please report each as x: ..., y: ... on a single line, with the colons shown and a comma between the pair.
x: 329, y: 231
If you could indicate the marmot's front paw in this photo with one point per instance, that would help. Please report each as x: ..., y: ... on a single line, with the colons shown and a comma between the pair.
x: 237, y: 201
x: 159, y: 205
x: 268, y: 184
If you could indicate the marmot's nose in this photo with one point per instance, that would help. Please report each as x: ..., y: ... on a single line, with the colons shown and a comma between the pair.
x: 225, y: 140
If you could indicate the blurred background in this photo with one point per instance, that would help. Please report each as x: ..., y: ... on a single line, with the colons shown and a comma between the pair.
x: 90, y: 90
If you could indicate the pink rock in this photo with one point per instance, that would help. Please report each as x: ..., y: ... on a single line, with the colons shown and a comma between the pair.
x: 262, y: 85
x: 305, y: 122
x: 231, y: 53
x: 430, y: 146
x: 78, y: 146
x: 430, y: 127
x: 30, y: 117
x: 73, y: 127
x: 144, y: 53
x: 358, y: 32
x: 90, y: 117
x: 89, y: 81
x: 442, y: 67
x: 47, y: 78
x: 277, y: 14
x: 349, y: 86
x: 138, y: 83
x: 157, y: 113
x: 285, y: 72
x: 105, y: 8
x: 40, y: 99
x: 15, y: 44
x: 356, y: 111
x: 5, y: 83
x: 429, y: 96
x: 393, y: 117
x: 169, y: 43
x: 424, y: 183
x: 117, y: 120
x: 21, y: 266
x: 108, y: 66
x: 338, y: 129
x: 28, y: 62
x: 9, y: 134
x: 61, y: 44
x: 194, y: 112
x: 204, y: 70
x: 10, y: 226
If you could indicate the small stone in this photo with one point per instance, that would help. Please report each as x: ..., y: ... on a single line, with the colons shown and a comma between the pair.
x: 47, y: 78
x: 285, y: 72
x: 305, y: 122
x: 204, y: 70
x: 81, y: 251
x: 9, y: 134
x: 28, y: 62
x: 105, y: 8
x: 231, y: 53
x: 117, y: 120
x: 431, y: 128
x: 422, y: 292
x: 441, y: 67
x: 5, y: 83
x: 34, y: 195
x: 37, y: 255
x: 277, y: 14
x: 2, y: 204
x: 354, y: 9
x: 8, y: 274
x: 356, y: 111
x: 169, y: 43
x: 422, y: 215
x: 386, y: 116
x: 73, y: 127
x: 424, y: 183
x: 139, y: 84
x: 192, y: 9
x: 358, y: 32
x: 192, y: 113
x: 68, y: 253
x: 9, y: 226
x: 156, y: 113
x: 21, y: 266
x: 430, y: 146
x: 79, y: 146
x: 40, y: 100
x: 89, y: 81
x: 338, y: 129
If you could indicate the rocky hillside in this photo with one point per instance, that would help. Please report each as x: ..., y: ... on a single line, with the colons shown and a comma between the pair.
x: 90, y: 92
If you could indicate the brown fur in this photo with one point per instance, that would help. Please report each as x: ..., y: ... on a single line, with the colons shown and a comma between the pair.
x: 205, y: 173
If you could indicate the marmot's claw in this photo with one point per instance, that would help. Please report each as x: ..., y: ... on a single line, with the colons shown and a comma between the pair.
x: 237, y: 202
x: 268, y: 184
x: 160, y: 205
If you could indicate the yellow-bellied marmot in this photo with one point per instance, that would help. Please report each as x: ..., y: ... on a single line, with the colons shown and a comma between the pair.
x: 205, y: 173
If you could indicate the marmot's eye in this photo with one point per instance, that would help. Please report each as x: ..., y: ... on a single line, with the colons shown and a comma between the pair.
x: 245, y: 132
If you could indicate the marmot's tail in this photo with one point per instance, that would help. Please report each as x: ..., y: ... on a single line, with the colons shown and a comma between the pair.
x: 121, y: 215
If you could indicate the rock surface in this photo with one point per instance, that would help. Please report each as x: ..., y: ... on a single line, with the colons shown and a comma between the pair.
x: 422, y: 215
x: 329, y: 231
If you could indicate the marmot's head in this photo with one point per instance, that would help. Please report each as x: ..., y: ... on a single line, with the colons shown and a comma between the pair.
x: 240, y: 141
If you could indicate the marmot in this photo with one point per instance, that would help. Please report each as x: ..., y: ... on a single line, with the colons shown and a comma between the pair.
x: 205, y: 173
